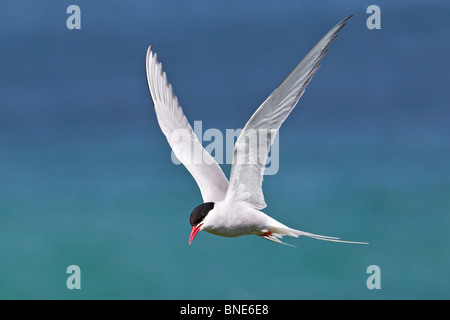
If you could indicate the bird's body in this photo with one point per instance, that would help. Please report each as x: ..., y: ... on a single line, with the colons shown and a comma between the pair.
x: 236, y: 219
x: 233, y: 208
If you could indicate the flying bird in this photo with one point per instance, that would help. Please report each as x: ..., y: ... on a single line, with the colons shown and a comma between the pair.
x: 233, y: 208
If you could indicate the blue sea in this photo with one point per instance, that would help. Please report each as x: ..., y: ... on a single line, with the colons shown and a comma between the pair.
x: 86, y: 176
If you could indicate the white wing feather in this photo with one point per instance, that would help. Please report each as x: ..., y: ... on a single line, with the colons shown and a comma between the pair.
x: 209, y: 176
x: 249, y: 158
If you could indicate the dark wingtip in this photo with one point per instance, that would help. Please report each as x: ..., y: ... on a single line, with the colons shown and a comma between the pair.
x: 149, y: 50
x: 345, y: 20
x: 342, y: 24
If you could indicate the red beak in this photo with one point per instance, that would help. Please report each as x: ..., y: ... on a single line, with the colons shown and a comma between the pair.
x: 194, y: 231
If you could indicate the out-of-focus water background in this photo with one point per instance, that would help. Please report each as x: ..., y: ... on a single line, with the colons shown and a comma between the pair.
x: 86, y: 176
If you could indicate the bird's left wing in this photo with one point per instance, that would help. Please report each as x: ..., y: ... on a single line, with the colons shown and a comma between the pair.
x: 187, y: 148
x: 252, y: 146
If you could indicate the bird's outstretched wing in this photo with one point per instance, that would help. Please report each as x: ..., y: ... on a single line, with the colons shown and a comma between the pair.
x: 209, y: 176
x: 252, y: 146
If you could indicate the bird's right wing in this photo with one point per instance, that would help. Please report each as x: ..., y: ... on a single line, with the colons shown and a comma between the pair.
x: 184, y: 143
x: 252, y: 146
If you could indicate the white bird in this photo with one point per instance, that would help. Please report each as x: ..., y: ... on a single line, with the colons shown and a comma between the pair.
x: 232, y: 209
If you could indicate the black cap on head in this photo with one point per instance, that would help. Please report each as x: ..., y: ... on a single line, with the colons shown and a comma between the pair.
x: 200, y: 213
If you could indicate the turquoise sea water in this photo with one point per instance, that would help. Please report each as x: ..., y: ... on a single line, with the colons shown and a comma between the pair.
x: 86, y: 176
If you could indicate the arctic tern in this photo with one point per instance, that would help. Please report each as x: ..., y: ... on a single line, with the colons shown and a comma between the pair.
x: 232, y: 208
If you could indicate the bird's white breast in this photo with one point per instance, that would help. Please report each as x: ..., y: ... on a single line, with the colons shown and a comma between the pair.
x: 235, y: 219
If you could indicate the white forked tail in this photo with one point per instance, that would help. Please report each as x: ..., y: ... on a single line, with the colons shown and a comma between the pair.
x: 276, y: 233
